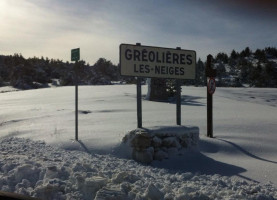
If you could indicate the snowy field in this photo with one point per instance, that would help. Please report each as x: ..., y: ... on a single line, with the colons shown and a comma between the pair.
x: 239, y: 163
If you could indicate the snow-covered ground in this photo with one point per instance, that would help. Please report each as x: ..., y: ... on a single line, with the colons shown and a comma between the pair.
x: 239, y: 163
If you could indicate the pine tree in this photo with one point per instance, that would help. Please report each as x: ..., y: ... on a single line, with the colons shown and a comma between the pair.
x: 200, y: 73
x: 234, y: 55
x: 222, y: 57
x: 260, y: 55
x: 246, y: 52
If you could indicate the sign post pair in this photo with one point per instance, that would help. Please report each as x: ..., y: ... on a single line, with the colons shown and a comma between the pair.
x: 75, y: 56
x: 155, y: 62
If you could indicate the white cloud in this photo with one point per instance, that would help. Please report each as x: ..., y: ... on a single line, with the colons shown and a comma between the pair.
x: 51, y: 28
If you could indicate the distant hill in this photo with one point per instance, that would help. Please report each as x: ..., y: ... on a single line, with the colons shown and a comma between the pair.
x: 245, y: 68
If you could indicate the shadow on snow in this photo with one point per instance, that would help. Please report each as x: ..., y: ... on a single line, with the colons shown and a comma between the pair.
x: 191, y: 161
x: 185, y: 100
x: 246, y: 152
x: 196, y: 162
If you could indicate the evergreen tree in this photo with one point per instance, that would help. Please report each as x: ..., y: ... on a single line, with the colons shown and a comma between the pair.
x: 271, y: 74
x: 260, y: 55
x: 271, y: 52
x: 222, y: 57
x: 158, y: 89
x: 200, y: 73
x: 234, y: 55
x: 106, y: 68
x: 245, y: 71
x: 255, y: 76
x: 246, y: 52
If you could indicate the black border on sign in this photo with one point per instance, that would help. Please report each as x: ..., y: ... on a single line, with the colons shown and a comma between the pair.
x: 152, y: 47
x: 209, y: 89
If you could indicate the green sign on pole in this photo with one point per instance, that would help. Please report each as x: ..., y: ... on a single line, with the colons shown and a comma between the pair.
x: 75, y: 54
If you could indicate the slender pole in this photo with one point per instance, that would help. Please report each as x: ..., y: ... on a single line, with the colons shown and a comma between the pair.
x: 178, y: 101
x: 139, y: 110
x: 76, y: 102
x: 209, y: 115
x: 209, y: 104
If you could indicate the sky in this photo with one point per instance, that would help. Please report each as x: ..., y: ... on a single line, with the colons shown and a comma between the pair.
x: 51, y: 28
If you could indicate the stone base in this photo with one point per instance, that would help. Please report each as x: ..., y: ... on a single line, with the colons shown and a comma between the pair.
x: 158, y: 143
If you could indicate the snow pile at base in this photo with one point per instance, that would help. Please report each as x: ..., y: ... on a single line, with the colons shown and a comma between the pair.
x: 158, y: 143
x: 36, y: 169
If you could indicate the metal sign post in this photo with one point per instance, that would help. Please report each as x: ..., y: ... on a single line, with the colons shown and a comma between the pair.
x: 209, y: 114
x: 75, y: 56
x: 139, y: 103
x: 139, y: 109
x: 210, y: 90
x: 76, y: 103
x: 178, y: 102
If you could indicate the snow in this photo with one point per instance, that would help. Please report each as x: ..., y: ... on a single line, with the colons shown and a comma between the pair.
x: 8, y: 89
x: 273, y: 60
x: 36, y: 169
x: 239, y: 163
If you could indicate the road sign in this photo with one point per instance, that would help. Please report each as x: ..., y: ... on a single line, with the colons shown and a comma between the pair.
x: 156, y: 62
x: 75, y: 54
x: 211, y: 86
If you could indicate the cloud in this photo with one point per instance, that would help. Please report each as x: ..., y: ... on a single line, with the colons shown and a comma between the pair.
x: 51, y: 28
x: 38, y: 28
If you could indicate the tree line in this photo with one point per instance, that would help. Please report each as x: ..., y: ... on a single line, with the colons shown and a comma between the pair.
x: 246, y: 68
x: 35, y: 72
x: 251, y: 68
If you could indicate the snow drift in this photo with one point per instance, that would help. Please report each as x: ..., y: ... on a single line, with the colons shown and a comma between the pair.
x: 39, y: 170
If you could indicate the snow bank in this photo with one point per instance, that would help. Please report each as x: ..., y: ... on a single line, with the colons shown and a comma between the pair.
x: 5, y: 89
x: 36, y: 169
x: 160, y: 142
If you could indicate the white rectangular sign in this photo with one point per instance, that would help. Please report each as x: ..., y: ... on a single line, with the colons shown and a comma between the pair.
x: 146, y: 61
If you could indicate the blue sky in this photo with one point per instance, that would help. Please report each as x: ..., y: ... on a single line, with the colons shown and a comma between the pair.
x: 51, y: 28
